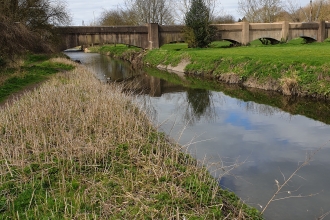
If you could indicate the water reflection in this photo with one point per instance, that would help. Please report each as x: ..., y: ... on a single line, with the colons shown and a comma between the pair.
x: 193, y: 104
x: 199, y: 104
x: 260, y: 109
x: 267, y: 133
x: 104, y: 67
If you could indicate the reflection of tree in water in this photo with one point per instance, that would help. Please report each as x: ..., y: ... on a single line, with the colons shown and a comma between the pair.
x: 199, y: 104
x: 261, y: 109
x: 145, y: 104
x: 115, y: 69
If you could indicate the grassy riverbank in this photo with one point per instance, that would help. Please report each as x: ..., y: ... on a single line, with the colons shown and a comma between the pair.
x: 317, y: 110
x: 78, y: 149
x: 294, y: 68
x: 34, y: 69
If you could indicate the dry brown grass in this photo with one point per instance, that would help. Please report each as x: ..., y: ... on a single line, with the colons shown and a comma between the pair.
x: 16, y: 39
x: 290, y: 84
x: 75, y: 148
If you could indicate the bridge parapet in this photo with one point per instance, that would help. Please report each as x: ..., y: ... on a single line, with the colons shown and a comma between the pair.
x: 170, y: 33
x: 90, y: 35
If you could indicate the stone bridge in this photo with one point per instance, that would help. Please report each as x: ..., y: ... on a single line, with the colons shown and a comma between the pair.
x: 153, y: 35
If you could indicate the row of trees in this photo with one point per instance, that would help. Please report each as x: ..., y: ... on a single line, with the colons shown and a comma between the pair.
x: 137, y: 12
x: 166, y: 12
x: 28, y: 25
x: 278, y: 10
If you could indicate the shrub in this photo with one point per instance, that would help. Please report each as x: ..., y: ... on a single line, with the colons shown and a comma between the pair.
x: 199, y: 32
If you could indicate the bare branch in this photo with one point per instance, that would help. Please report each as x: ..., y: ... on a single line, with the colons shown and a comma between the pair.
x: 323, y: 216
x: 260, y: 10
x: 298, y: 196
x: 309, y: 158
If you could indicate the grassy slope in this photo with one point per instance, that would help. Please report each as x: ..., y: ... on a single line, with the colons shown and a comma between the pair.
x: 119, y: 50
x: 79, y: 149
x: 36, y: 68
x: 304, y: 67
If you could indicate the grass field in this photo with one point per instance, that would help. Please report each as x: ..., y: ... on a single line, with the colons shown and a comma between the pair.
x: 293, y: 52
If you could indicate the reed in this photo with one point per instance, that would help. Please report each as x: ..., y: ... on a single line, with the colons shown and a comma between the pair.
x: 75, y: 148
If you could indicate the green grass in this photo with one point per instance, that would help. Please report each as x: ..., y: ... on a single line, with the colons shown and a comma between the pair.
x: 220, y: 44
x: 312, y: 54
x: 306, y: 64
x: 117, y: 50
x: 174, y: 46
x: 36, y: 68
x: 34, y: 58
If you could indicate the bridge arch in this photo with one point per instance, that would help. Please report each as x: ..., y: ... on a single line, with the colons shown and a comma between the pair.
x: 308, y: 39
x: 268, y: 40
x: 233, y: 42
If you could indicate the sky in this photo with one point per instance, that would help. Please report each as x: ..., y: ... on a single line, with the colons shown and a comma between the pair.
x: 86, y: 12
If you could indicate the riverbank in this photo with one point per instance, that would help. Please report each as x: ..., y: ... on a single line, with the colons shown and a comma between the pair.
x: 28, y: 73
x: 77, y: 148
x: 309, y: 107
x: 293, y: 69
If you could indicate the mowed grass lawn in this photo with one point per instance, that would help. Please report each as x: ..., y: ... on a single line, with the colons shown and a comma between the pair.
x: 293, y: 51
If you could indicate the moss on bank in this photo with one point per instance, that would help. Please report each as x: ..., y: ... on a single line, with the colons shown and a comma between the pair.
x: 79, y: 149
x: 294, y: 68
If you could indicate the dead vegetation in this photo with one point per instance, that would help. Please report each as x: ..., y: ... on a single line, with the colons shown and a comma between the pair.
x: 16, y: 39
x: 75, y: 148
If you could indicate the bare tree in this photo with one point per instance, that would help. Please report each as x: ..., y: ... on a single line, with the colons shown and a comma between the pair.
x: 316, y: 10
x: 151, y: 11
x: 28, y: 25
x: 223, y: 19
x: 260, y: 10
x: 183, y: 6
x: 294, y: 10
x: 16, y: 39
x: 35, y: 13
x: 319, y: 10
x: 118, y: 17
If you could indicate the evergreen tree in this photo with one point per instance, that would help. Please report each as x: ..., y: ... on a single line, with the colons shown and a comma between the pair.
x: 198, y: 32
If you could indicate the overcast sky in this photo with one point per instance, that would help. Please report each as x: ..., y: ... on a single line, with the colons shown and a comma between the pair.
x: 86, y: 11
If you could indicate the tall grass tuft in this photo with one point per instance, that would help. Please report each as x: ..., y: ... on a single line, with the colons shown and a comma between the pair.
x: 75, y: 148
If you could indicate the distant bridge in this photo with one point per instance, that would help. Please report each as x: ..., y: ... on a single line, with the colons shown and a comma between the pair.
x: 153, y: 35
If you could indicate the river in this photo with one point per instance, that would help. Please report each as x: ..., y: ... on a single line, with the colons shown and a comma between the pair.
x: 253, y: 140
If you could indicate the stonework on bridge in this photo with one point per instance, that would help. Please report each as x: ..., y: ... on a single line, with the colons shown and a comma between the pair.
x: 153, y: 36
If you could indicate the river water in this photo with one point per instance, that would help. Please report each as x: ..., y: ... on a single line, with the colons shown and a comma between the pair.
x: 250, y: 139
